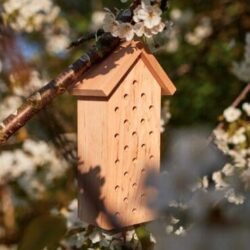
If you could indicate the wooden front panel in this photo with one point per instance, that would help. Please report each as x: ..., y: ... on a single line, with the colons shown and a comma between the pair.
x: 134, y: 145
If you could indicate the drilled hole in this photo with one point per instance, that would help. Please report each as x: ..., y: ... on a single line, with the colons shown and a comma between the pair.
x: 151, y: 157
x: 143, y: 196
x: 117, y: 161
x: 116, y: 135
x: 143, y: 146
x: 143, y: 95
x: 117, y: 187
x: 125, y: 96
x: 126, y: 148
x: 116, y: 109
x: 143, y: 170
x: 125, y: 173
x: 151, y: 107
x: 117, y: 214
x: 134, y: 108
x: 151, y: 132
x: 134, y: 82
x: 125, y: 199
x: 134, y: 133
x: 134, y: 159
x: 134, y: 185
x: 125, y: 121
x: 142, y: 121
x: 134, y: 210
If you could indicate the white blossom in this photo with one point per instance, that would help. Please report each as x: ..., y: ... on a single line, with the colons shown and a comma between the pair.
x: 234, y: 198
x: 169, y: 229
x: 246, y: 108
x: 150, y: 15
x: 35, y: 82
x: 57, y: 43
x: 95, y: 237
x: 175, y: 14
x: 97, y: 19
x: 9, y: 105
x: 228, y: 170
x: 238, y: 137
x: 110, y: 24
x: 218, y: 180
x: 147, y: 20
x: 29, y: 15
x: 232, y: 114
x: 22, y: 165
x: 221, y: 140
x: 202, y: 31
x: 57, y: 37
x: 180, y: 231
x: 125, y: 30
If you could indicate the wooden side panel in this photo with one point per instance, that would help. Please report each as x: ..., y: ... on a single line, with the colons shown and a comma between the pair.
x: 92, y: 148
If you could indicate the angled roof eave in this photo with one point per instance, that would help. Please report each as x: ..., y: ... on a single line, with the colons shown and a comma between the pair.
x: 167, y: 86
x: 102, y: 79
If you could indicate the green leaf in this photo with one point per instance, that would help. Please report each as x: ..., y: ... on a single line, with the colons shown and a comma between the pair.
x: 44, y: 231
x: 144, y: 237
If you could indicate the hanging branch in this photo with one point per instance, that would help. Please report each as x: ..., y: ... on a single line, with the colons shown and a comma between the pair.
x: 56, y: 87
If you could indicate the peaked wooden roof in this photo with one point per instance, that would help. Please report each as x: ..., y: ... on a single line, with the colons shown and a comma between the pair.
x: 102, y: 79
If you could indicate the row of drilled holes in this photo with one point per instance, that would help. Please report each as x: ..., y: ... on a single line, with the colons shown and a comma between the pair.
x: 126, y: 200
x: 134, y: 108
x: 117, y: 161
x: 117, y: 214
x: 117, y: 187
x: 125, y: 96
x: 134, y: 133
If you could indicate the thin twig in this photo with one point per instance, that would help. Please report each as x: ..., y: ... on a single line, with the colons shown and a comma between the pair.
x: 85, y: 38
x: 240, y: 98
x: 164, y: 5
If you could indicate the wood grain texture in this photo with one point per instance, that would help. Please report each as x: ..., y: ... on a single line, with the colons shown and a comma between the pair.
x: 118, y: 145
x: 105, y: 77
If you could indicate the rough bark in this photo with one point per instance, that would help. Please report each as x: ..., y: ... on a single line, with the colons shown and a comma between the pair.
x: 56, y: 87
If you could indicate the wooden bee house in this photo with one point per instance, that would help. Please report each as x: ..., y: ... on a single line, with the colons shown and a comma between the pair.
x: 119, y: 103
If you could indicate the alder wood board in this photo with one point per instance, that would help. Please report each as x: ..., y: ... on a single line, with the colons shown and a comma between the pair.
x: 121, y: 135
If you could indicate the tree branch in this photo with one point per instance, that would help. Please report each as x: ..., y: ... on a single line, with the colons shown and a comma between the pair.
x: 56, y: 87
x: 85, y: 38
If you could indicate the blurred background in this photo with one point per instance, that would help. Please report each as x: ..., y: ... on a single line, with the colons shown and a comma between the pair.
x: 206, y: 53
